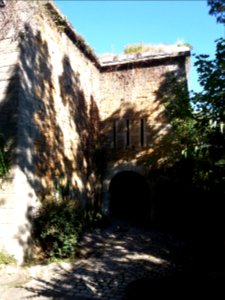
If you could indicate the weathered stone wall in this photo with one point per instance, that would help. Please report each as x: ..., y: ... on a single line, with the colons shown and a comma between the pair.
x: 54, y: 99
x: 63, y: 85
x: 134, y: 119
x: 131, y: 105
x: 9, y: 89
x: 50, y: 121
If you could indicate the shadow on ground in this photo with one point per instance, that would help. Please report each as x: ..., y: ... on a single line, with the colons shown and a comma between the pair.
x: 124, y: 262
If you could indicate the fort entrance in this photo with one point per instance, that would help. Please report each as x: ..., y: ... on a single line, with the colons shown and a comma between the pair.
x: 72, y: 106
x: 129, y: 197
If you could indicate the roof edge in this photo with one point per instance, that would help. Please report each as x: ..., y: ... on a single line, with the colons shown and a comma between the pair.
x: 117, y: 60
x: 146, y: 57
x: 60, y: 20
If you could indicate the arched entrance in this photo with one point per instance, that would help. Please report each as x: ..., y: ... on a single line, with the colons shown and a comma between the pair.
x: 130, y: 197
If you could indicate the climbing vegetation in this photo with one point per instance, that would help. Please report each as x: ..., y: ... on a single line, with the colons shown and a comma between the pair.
x: 135, y: 48
x: 6, y: 259
x: 197, y: 122
x: 4, y: 160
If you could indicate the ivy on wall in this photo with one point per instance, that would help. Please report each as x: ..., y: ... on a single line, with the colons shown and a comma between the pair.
x: 4, y: 164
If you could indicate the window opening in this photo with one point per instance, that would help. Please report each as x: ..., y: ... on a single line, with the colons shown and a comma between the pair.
x: 127, y: 132
x: 142, y: 135
x: 114, y: 134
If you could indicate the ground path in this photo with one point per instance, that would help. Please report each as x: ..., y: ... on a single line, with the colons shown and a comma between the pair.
x: 109, y: 261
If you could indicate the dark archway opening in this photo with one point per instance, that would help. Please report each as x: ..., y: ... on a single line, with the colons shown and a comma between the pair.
x: 130, y: 198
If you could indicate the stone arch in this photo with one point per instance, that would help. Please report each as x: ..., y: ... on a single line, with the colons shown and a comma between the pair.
x: 127, y: 181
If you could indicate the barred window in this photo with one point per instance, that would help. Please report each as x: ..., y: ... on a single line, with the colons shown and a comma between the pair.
x: 114, y: 134
x: 127, y: 132
x: 142, y: 132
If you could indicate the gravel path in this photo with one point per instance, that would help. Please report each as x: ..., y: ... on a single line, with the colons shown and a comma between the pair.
x: 111, y: 264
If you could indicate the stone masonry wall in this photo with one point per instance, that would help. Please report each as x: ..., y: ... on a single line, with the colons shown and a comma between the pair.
x: 63, y: 86
x: 132, y: 110
x: 55, y: 99
x: 134, y: 120
x: 52, y: 122
x: 12, y: 206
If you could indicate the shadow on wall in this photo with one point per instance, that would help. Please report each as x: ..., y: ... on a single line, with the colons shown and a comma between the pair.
x: 86, y: 118
x: 56, y: 155
x: 120, y: 134
x: 37, y: 136
x: 2, y: 202
x: 156, y: 150
x: 178, y: 204
x: 115, y: 130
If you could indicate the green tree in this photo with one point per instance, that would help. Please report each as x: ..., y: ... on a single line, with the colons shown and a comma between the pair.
x: 188, y: 183
x: 4, y: 160
x: 209, y: 114
x: 217, y: 8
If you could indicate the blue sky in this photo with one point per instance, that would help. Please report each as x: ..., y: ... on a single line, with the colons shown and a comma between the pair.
x: 108, y: 26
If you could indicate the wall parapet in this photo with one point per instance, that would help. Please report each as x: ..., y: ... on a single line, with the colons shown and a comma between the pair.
x: 68, y: 29
x: 102, y: 63
x: 124, y: 59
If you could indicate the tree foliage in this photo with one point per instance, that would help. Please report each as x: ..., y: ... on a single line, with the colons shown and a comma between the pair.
x: 217, y: 9
x: 210, y: 112
x: 200, y: 132
x: 212, y: 79
x: 194, y: 151
x: 209, y: 115
x: 4, y: 159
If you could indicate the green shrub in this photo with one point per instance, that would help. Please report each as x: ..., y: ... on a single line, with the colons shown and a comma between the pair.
x: 95, y: 219
x: 57, y: 228
x: 136, y: 48
x: 6, y: 258
x: 4, y: 161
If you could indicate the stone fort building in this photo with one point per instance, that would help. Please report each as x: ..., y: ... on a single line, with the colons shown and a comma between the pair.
x: 71, y: 119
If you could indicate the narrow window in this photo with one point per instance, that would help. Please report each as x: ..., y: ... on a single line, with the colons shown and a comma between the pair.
x: 114, y: 134
x: 128, y: 132
x: 142, y: 133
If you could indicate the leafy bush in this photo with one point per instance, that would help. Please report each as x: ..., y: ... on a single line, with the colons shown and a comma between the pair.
x: 6, y: 258
x: 94, y: 219
x: 4, y: 163
x: 136, y: 48
x: 154, y: 49
x: 57, y: 228
x: 3, y: 168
